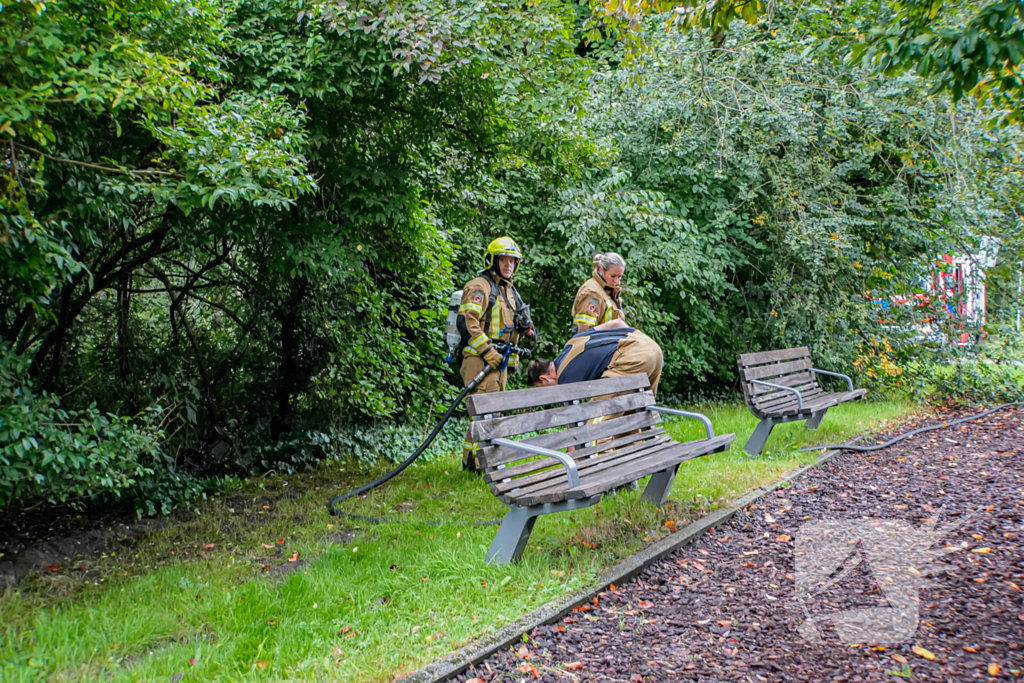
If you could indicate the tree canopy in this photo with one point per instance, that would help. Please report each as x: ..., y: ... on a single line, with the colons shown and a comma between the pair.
x: 229, y: 228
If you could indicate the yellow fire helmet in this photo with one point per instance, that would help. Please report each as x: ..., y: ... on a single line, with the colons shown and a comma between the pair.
x: 503, y: 246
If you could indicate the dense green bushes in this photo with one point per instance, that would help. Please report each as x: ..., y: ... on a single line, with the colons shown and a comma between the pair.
x: 80, y: 457
x: 259, y: 226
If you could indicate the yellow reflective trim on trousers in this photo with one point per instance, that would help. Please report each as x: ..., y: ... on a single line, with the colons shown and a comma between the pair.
x: 470, y: 446
x: 584, y: 318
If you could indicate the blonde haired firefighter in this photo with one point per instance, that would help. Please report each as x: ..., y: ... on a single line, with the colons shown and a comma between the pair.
x: 598, y: 299
x: 491, y: 311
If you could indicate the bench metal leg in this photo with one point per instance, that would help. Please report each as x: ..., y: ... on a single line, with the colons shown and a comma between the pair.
x: 659, y: 486
x: 512, y: 537
x: 815, y: 419
x: 514, y: 533
x: 760, y: 436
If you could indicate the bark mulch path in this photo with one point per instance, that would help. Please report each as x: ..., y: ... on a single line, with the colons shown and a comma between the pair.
x: 732, y: 606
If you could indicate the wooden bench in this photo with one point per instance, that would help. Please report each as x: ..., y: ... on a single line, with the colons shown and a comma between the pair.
x: 782, y: 386
x: 616, y: 440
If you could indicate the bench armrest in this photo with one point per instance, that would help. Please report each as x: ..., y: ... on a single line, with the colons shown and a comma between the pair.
x: 834, y: 374
x: 566, y: 460
x: 799, y: 397
x: 682, y: 413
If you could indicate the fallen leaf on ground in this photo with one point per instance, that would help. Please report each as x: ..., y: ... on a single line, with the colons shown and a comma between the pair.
x: 268, y: 546
x: 646, y: 604
x: 524, y: 653
x: 573, y: 666
x: 475, y: 680
x: 529, y: 669
x: 208, y: 546
x: 261, y: 664
x: 346, y: 629
x: 53, y: 568
x: 993, y: 669
x: 900, y: 658
x: 636, y: 678
x: 913, y: 570
x: 294, y: 556
x: 982, y: 551
x: 921, y: 652
x: 724, y: 622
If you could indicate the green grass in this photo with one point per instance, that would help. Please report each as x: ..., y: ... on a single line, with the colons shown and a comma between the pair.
x: 395, y: 597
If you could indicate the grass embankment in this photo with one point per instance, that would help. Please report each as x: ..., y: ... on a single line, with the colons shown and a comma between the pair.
x: 215, y: 597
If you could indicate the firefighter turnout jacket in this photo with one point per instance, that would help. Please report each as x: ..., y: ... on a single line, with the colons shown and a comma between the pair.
x: 596, y: 302
x: 483, y: 325
x: 609, y: 353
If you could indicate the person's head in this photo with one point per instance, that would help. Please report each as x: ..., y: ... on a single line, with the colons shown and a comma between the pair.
x: 503, y: 257
x: 540, y: 372
x: 610, y: 266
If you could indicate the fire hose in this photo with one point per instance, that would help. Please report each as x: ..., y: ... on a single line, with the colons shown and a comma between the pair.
x: 506, y: 350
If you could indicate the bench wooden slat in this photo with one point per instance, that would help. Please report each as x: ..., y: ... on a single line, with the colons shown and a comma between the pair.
x: 501, y: 427
x: 767, y: 402
x: 499, y: 475
x: 492, y: 456
x: 806, y: 391
x: 746, y: 360
x: 686, y: 451
x: 588, y: 467
x: 794, y: 381
x: 506, y: 401
x: 613, y: 477
x: 816, y: 403
x: 765, y: 373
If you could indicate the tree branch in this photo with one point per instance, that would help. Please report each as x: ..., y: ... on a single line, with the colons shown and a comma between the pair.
x: 100, y: 167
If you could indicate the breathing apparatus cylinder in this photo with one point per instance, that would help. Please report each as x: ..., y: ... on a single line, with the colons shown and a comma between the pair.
x: 452, y: 337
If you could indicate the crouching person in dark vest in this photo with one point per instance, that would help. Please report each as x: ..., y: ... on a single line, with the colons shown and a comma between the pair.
x: 612, y: 349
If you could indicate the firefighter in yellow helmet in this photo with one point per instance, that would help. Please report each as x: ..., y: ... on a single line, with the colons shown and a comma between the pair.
x: 598, y: 299
x: 491, y: 310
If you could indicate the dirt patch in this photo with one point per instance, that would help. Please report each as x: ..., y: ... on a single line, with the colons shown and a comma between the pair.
x: 757, y: 601
x: 51, y: 539
x: 281, y: 571
x: 343, y: 537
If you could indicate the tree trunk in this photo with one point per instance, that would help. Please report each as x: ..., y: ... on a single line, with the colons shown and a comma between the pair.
x: 288, y: 362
